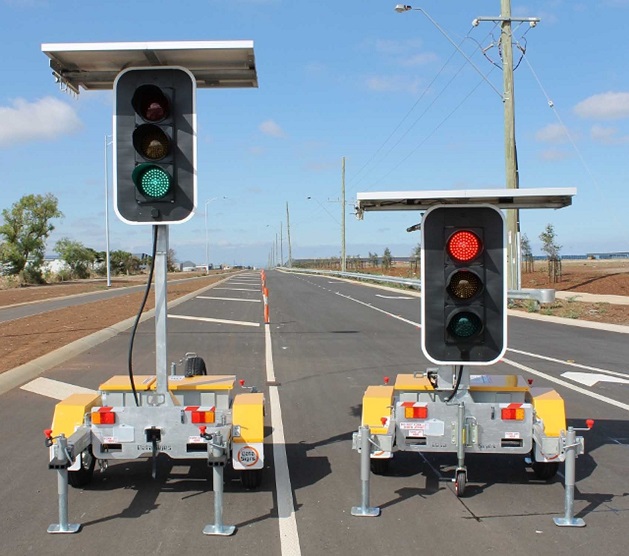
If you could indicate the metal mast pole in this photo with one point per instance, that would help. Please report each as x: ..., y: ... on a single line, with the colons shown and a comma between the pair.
x: 511, y: 167
x: 161, y: 316
x: 343, y: 259
x: 290, y: 252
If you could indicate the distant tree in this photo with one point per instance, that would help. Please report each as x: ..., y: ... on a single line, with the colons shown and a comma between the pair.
x: 525, y: 245
x: 416, y: 256
x: 123, y: 262
x: 549, y: 246
x: 25, y: 229
x: 527, y: 254
x: 78, y: 257
x: 386, y: 259
x: 170, y: 261
x: 373, y: 259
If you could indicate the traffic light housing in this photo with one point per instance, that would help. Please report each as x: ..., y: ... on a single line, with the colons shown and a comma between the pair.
x: 464, y: 289
x: 155, y: 179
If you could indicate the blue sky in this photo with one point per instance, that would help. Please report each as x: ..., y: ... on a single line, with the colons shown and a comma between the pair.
x: 385, y: 90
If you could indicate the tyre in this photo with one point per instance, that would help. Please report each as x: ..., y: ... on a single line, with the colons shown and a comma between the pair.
x: 379, y: 466
x: 83, y: 476
x: 195, y: 366
x: 545, y: 471
x: 460, y: 483
x: 252, y: 479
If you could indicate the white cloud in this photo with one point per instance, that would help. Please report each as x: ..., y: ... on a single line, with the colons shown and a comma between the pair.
x: 46, y: 118
x: 396, y: 47
x: 604, y: 106
x: 552, y: 155
x: 271, y: 128
x: 552, y: 133
x: 393, y: 84
x: 419, y: 59
x: 607, y: 135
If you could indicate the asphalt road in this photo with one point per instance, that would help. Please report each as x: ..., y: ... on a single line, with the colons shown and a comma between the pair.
x: 330, y: 339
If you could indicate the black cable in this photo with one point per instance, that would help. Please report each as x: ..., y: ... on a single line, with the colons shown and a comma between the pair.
x: 137, y: 318
x: 458, y: 383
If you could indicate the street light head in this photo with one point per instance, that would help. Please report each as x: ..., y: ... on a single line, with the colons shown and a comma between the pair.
x: 402, y: 8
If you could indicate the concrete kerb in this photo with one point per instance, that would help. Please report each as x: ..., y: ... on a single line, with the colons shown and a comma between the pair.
x: 24, y: 373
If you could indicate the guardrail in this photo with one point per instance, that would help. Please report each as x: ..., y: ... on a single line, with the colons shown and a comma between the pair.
x: 539, y: 296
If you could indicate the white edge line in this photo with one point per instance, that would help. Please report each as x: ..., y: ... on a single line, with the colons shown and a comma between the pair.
x: 289, y: 536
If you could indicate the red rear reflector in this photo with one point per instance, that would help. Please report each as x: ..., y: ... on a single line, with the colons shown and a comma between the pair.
x: 201, y: 414
x: 104, y: 416
x: 512, y: 414
x: 416, y: 412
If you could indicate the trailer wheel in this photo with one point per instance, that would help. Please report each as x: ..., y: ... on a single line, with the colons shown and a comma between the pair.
x: 195, y: 366
x: 379, y: 466
x: 459, y: 483
x: 251, y: 479
x: 83, y: 476
x: 545, y: 471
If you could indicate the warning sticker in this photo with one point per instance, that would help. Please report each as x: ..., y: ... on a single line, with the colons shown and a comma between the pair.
x: 248, y: 456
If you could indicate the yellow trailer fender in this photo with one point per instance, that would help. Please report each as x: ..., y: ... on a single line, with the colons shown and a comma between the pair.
x: 248, y: 440
x: 70, y: 413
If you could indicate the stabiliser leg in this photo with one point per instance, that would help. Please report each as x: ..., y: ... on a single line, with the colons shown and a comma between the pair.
x: 61, y: 462
x: 217, y: 528
x: 364, y: 510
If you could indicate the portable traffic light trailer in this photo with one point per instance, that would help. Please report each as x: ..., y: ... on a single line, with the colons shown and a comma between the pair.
x: 449, y: 408
x: 187, y: 415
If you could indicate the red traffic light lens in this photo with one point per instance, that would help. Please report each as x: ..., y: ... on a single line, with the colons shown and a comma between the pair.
x: 465, y: 325
x: 151, y: 142
x: 150, y: 103
x: 464, y: 246
x: 464, y: 284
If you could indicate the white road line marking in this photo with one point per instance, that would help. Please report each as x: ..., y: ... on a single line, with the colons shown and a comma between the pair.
x: 239, y: 289
x: 54, y: 388
x: 413, y: 323
x: 230, y: 299
x: 217, y: 321
x: 567, y: 385
x: 289, y: 536
x: 590, y: 379
x: 569, y: 363
x: 393, y: 296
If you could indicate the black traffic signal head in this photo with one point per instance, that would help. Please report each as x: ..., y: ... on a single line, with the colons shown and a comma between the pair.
x: 463, y: 277
x: 155, y: 179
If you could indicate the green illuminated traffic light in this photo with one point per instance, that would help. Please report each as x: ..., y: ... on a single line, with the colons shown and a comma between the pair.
x: 155, y: 145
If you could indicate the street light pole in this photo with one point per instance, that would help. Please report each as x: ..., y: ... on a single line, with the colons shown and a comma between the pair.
x: 343, y: 254
x: 107, y: 256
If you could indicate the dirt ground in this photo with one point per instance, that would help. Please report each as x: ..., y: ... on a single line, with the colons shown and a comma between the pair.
x: 26, y: 339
